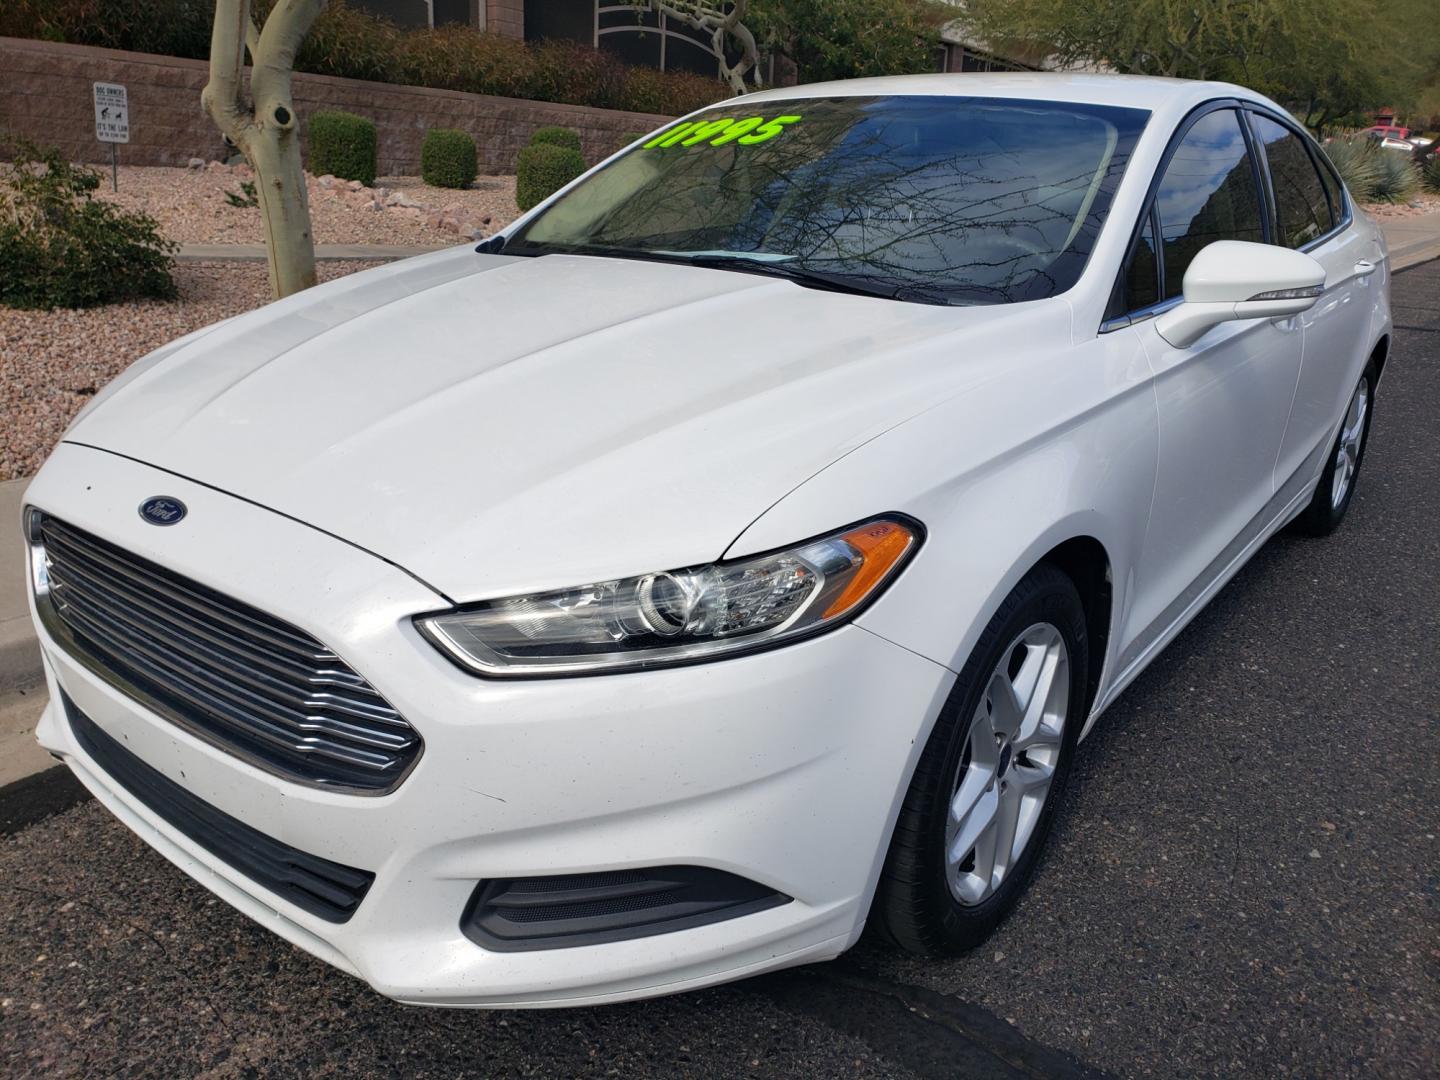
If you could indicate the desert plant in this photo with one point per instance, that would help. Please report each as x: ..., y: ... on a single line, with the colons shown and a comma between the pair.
x: 1356, y: 160
x: 1430, y: 175
x: 60, y: 247
x: 543, y: 169
x: 342, y: 144
x: 447, y: 158
x: 556, y: 136
x: 1398, y: 181
x: 247, y: 198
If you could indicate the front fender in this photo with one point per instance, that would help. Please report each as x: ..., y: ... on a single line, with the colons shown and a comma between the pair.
x: 1062, y: 446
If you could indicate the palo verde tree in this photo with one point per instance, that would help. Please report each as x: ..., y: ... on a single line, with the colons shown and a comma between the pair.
x: 265, y: 129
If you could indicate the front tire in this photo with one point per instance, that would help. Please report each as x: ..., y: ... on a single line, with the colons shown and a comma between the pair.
x: 983, y: 796
x: 1337, y: 483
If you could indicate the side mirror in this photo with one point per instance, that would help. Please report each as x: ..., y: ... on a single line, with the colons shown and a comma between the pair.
x: 1234, y: 279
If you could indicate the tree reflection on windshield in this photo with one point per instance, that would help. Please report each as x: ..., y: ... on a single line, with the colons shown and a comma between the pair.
x: 967, y: 199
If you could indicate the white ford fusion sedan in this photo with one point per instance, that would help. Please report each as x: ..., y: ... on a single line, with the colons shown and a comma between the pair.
x: 730, y: 553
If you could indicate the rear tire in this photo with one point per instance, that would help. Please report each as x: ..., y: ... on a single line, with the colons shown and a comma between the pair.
x: 1337, y: 483
x: 983, y: 796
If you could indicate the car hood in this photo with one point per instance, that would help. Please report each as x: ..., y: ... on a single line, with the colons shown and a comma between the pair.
x: 496, y: 425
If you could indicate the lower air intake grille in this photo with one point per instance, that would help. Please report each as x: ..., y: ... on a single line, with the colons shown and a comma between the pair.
x: 518, y: 914
x: 235, y: 676
x: 325, y: 889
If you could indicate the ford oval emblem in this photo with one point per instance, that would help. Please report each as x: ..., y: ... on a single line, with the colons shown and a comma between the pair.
x: 162, y: 510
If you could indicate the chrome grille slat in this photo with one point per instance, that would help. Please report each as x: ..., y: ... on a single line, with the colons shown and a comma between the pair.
x: 65, y: 539
x: 232, y: 664
x: 238, y: 702
x: 243, y: 680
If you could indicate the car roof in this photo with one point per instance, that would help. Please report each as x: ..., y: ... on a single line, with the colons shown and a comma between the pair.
x: 1135, y: 91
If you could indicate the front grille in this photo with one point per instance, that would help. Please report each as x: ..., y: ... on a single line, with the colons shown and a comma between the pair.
x: 327, y: 889
x: 242, y: 680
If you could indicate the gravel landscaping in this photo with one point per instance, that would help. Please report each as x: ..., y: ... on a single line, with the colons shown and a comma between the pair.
x: 191, y: 206
x: 1421, y: 204
x: 52, y: 362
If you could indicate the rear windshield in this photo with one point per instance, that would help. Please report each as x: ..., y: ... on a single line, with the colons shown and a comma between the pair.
x: 950, y: 199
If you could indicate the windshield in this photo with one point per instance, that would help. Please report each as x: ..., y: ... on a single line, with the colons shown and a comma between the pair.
x: 936, y: 199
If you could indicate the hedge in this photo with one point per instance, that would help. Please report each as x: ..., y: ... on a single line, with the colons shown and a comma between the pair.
x: 447, y: 158
x: 342, y: 144
x: 354, y: 45
x: 543, y: 169
x: 556, y: 136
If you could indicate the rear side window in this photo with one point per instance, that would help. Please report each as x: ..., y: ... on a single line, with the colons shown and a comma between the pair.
x: 1302, y: 211
x: 1208, y: 193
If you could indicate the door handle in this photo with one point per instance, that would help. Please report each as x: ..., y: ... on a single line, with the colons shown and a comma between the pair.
x: 1364, y: 268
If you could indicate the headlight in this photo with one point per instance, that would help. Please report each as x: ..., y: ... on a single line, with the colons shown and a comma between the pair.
x: 679, y: 616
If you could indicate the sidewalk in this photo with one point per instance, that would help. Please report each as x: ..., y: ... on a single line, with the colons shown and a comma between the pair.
x: 1412, y: 240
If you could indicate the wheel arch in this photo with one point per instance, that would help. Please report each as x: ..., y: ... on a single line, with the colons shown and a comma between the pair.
x: 1084, y: 560
x: 1379, y: 355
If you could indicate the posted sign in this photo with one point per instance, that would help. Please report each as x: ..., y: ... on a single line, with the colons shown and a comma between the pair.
x: 112, y: 113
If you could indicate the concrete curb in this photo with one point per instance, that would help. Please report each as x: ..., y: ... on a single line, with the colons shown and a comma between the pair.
x: 20, y: 664
x: 323, y: 252
x: 19, y: 651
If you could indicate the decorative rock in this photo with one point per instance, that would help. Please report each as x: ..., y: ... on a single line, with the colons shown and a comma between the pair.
x: 195, y: 163
x: 356, y: 185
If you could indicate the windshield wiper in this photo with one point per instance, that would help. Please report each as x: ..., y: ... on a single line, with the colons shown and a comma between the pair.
x: 854, y: 284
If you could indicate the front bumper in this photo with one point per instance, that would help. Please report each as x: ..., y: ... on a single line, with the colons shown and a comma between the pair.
x: 785, y: 768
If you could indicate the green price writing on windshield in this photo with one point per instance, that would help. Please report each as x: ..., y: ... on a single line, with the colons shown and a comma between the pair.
x: 747, y: 132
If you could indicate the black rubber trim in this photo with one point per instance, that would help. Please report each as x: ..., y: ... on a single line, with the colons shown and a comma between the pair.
x: 526, y: 914
x: 325, y: 889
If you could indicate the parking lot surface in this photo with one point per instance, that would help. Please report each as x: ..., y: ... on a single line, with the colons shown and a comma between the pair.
x: 1243, y: 881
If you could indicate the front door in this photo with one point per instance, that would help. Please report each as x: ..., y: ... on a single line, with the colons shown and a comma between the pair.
x: 1223, y: 402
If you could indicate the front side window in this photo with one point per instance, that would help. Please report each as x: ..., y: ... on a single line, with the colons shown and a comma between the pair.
x: 944, y: 200
x: 1302, y: 212
x: 1208, y: 193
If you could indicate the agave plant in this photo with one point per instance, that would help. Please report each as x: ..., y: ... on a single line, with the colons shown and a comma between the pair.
x: 1358, y: 160
x: 1430, y: 175
x: 1399, y: 179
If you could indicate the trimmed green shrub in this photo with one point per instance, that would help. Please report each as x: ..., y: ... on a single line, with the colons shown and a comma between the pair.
x: 1355, y: 159
x: 1398, y: 180
x: 447, y: 158
x: 542, y: 170
x: 59, y: 247
x: 343, y: 145
x: 556, y: 136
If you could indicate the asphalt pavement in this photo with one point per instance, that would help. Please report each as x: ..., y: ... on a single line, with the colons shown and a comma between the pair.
x: 1242, y: 883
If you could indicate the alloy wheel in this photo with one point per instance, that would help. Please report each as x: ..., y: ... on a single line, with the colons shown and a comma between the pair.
x: 1009, y: 760
x: 1347, y: 451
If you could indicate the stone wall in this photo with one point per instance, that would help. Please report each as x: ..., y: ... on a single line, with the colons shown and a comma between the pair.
x: 45, y: 95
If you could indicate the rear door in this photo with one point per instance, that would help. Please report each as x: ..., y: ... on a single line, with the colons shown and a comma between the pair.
x: 1311, y: 214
